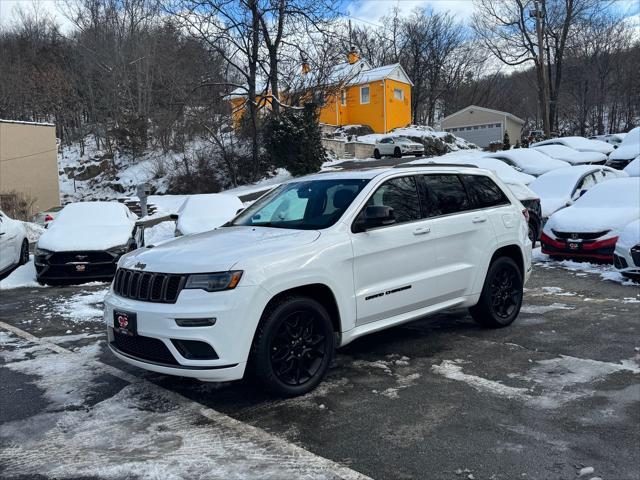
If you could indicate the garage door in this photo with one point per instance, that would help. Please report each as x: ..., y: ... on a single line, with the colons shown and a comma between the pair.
x: 481, y: 135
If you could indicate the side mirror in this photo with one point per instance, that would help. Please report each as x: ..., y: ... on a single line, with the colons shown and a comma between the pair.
x: 374, y: 216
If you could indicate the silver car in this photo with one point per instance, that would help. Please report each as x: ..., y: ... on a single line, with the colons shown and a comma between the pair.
x: 43, y: 218
x: 398, y: 147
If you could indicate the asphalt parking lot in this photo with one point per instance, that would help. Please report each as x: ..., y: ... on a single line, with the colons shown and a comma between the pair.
x: 554, y: 395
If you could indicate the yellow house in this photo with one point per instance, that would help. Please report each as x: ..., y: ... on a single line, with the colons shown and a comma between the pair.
x: 379, y: 97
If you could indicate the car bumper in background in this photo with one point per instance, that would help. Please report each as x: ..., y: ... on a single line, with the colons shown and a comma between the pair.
x: 626, y: 258
x: 601, y: 250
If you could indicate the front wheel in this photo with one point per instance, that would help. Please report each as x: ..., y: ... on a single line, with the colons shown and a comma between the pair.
x: 24, y: 253
x: 293, y: 346
x: 501, y: 296
x: 376, y: 154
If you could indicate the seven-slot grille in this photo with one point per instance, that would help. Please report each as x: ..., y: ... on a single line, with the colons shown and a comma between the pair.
x: 148, y: 286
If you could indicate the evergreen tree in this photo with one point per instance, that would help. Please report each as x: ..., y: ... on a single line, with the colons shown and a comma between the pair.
x: 506, y: 143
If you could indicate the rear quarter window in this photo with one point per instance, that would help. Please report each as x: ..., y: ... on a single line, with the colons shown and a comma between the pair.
x: 484, y: 192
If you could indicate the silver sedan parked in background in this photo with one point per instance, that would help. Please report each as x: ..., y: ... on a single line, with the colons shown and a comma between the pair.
x: 398, y: 147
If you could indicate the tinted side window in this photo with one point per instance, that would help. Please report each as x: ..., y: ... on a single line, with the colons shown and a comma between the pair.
x: 484, y: 191
x: 401, y: 195
x: 446, y: 194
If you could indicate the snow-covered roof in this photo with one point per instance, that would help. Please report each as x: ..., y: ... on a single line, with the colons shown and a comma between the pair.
x: 578, y: 143
x: 42, y: 124
x: 484, y: 109
x: 570, y: 155
x: 356, y: 73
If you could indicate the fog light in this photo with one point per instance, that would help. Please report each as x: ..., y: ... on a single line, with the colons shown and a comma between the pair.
x: 195, y: 322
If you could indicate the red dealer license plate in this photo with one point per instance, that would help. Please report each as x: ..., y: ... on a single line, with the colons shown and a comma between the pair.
x: 574, y: 246
x: 125, y: 322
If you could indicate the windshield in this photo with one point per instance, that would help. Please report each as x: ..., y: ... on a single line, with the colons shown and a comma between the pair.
x: 402, y: 140
x: 310, y: 205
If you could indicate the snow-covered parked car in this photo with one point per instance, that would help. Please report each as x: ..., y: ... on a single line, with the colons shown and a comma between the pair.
x: 590, y: 227
x: 626, y: 257
x: 579, y: 143
x: 397, y: 147
x: 43, y: 218
x: 633, y: 169
x: 204, y: 212
x: 528, y: 160
x: 560, y: 188
x: 628, y: 150
x: 85, y: 242
x: 614, y: 139
x: 569, y: 155
x: 316, y: 263
x: 14, y: 245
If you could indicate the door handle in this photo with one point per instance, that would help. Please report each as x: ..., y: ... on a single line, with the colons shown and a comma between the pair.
x: 422, y: 231
x: 479, y: 219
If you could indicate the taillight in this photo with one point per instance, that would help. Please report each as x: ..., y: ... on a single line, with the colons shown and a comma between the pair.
x: 525, y: 212
x: 48, y: 218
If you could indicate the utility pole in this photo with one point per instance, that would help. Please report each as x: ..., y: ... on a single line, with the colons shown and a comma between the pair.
x: 539, y: 13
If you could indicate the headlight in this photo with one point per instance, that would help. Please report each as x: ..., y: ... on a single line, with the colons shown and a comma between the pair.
x: 214, y: 282
x: 41, y: 251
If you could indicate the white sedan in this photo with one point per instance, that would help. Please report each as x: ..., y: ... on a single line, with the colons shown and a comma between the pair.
x: 528, y: 160
x: 397, y: 147
x: 14, y: 246
x: 574, y: 157
x: 628, y: 150
x: 560, y: 188
x: 579, y: 143
x: 626, y: 256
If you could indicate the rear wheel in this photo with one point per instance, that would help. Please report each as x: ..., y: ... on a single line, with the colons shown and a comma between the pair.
x: 501, y: 296
x: 293, y: 346
x: 397, y: 152
x: 24, y: 253
x: 533, y: 233
x: 376, y: 154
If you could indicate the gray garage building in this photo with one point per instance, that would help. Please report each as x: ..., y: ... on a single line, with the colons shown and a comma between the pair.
x: 482, y: 126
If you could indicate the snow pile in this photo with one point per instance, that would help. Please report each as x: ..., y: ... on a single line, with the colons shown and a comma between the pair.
x: 82, y: 307
x: 23, y: 276
x: 201, y: 213
x: 606, y: 271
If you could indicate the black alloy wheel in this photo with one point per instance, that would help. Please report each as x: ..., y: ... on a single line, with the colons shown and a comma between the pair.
x: 501, y: 296
x: 293, y: 346
x: 506, y: 294
x: 397, y: 152
x: 298, y: 348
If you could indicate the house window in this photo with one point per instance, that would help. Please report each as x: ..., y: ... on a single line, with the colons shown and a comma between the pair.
x: 343, y: 97
x: 364, y: 94
x: 398, y: 94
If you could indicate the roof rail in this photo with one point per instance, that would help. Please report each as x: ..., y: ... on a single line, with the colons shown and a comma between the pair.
x: 434, y: 164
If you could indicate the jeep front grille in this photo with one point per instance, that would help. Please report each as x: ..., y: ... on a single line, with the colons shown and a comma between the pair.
x: 148, y: 286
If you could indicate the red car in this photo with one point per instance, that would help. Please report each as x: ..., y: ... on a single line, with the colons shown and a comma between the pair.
x: 589, y: 228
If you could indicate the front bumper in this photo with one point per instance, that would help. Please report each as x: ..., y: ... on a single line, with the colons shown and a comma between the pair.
x: 626, y: 260
x: 601, y: 250
x: 65, y: 267
x: 236, y: 313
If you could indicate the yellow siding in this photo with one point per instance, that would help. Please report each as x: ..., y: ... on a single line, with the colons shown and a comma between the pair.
x: 398, y: 111
x: 371, y: 113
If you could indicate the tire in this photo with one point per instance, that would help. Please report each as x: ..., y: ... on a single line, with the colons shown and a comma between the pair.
x: 293, y: 346
x: 376, y: 154
x: 24, y: 253
x: 533, y: 233
x: 397, y: 152
x: 501, y: 296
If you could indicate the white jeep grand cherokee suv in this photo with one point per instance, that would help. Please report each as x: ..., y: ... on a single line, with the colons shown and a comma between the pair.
x: 316, y: 263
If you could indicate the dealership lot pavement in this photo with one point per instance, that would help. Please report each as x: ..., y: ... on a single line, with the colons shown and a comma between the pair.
x: 555, y: 394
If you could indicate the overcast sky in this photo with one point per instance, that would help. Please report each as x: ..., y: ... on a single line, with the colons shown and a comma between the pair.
x: 363, y: 11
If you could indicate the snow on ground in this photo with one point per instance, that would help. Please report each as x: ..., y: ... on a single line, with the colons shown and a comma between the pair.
x: 23, y: 276
x: 606, y: 271
x: 82, y: 307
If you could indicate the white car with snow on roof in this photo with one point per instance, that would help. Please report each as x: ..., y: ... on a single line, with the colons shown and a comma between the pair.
x: 626, y: 256
x: 316, y: 263
x: 569, y: 155
x: 204, y: 212
x: 397, y: 147
x: 14, y: 246
x: 528, y: 160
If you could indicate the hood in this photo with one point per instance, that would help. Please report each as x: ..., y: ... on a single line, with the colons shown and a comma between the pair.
x: 626, y: 152
x: 580, y: 158
x: 218, y: 250
x: 550, y: 205
x: 62, y: 238
x: 576, y: 219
